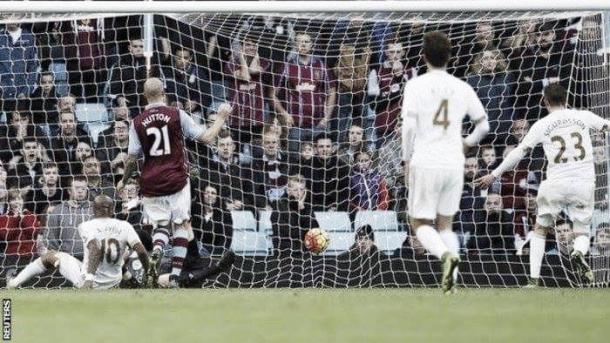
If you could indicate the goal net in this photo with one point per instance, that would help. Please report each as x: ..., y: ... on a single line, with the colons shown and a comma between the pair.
x: 313, y: 139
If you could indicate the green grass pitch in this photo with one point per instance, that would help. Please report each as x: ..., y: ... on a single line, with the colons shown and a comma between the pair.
x: 311, y: 315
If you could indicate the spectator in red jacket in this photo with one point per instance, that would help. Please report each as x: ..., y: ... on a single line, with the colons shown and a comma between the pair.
x: 18, y: 228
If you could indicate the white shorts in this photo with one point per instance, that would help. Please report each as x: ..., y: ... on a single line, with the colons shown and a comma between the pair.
x: 576, y: 199
x: 73, y: 270
x: 174, y: 208
x: 434, y: 191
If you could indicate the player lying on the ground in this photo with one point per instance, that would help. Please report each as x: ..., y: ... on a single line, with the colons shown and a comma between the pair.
x: 105, y: 240
x: 433, y: 110
x: 198, y: 269
x: 570, y: 182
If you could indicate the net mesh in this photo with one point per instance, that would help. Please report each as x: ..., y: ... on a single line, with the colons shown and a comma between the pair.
x: 313, y: 140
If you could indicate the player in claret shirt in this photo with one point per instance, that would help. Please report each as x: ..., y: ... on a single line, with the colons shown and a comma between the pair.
x: 158, y: 133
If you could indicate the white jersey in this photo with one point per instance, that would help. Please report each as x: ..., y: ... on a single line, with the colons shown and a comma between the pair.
x: 439, y: 102
x: 114, y: 236
x: 566, y: 139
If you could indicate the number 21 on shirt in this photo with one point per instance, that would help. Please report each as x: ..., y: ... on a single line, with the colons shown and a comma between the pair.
x: 161, y: 137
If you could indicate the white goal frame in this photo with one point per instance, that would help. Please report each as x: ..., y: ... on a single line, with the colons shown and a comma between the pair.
x: 148, y: 6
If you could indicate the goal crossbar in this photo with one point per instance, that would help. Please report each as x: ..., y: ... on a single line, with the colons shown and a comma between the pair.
x: 297, y: 6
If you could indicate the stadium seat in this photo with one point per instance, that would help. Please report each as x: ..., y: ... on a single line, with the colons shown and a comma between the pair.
x: 243, y: 220
x: 387, y: 242
x: 334, y: 221
x: 93, y: 112
x: 339, y: 242
x: 251, y: 243
x: 95, y: 129
x: 378, y: 220
x: 264, y: 222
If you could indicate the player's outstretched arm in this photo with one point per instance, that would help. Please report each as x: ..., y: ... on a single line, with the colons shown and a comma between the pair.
x: 509, y: 162
x: 95, y: 258
x: 224, y: 111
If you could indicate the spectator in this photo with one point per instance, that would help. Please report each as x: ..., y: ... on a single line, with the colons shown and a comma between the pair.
x: 19, y: 65
x: 308, y: 93
x: 4, y: 203
x: 292, y: 218
x: 119, y: 114
x: 224, y: 173
x: 564, y: 236
x: 269, y: 173
x: 385, y: 86
x: 515, y: 184
x: 328, y: 178
x: 252, y: 83
x: 391, y: 167
x: 113, y: 150
x: 46, y: 191
x: 303, y: 162
x: 472, y: 201
x: 601, y: 243
x: 541, y: 64
x: 64, y: 146
x: 351, y: 71
x: 601, y: 213
x: 129, y: 207
x: 212, y: 226
x: 525, y: 219
x: 97, y: 184
x: 347, y: 151
x: 525, y: 37
x: 19, y: 228
x: 28, y: 168
x: 494, y: 229
x: 488, y: 159
x: 363, y: 258
x: 185, y: 83
x: 127, y: 78
x: 44, y: 104
x: 64, y: 219
x: 494, y: 86
x: 85, y: 57
x: 12, y: 137
x: 368, y: 189
x: 466, y: 50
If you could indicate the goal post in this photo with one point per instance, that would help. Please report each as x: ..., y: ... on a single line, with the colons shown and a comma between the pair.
x: 316, y: 91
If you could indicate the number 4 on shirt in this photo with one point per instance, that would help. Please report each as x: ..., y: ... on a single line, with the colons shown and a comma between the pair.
x: 442, y: 108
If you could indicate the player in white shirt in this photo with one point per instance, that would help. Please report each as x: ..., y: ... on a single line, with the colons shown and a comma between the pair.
x: 570, y: 181
x: 433, y: 110
x: 105, y: 240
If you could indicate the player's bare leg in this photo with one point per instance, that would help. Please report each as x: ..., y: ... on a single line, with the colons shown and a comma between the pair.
x: 537, y: 248
x: 49, y: 261
x: 433, y: 243
x: 581, y: 247
x: 444, y: 225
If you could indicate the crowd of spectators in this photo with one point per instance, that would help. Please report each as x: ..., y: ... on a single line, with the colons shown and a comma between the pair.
x: 315, y: 125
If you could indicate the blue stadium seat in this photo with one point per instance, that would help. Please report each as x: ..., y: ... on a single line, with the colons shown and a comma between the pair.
x: 243, y: 220
x: 387, y: 242
x: 92, y: 112
x: 264, y: 222
x: 334, y: 221
x: 378, y: 220
x: 250, y: 243
x: 339, y: 242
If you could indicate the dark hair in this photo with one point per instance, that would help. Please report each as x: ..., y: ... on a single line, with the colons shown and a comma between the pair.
x: 324, y: 136
x: 47, y: 73
x: 78, y: 178
x: 29, y: 139
x: 49, y: 165
x: 555, y: 94
x: 437, y: 48
x: 365, y: 231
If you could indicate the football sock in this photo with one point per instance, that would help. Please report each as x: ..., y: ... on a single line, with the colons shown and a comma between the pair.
x: 431, y: 240
x: 537, y: 245
x: 36, y: 267
x: 581, y: 243
x: 180, y: 243
x: 453, y: 244
x: 160, y: 237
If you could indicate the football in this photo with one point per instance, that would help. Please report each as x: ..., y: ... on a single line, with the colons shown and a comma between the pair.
x: 316, y: 240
